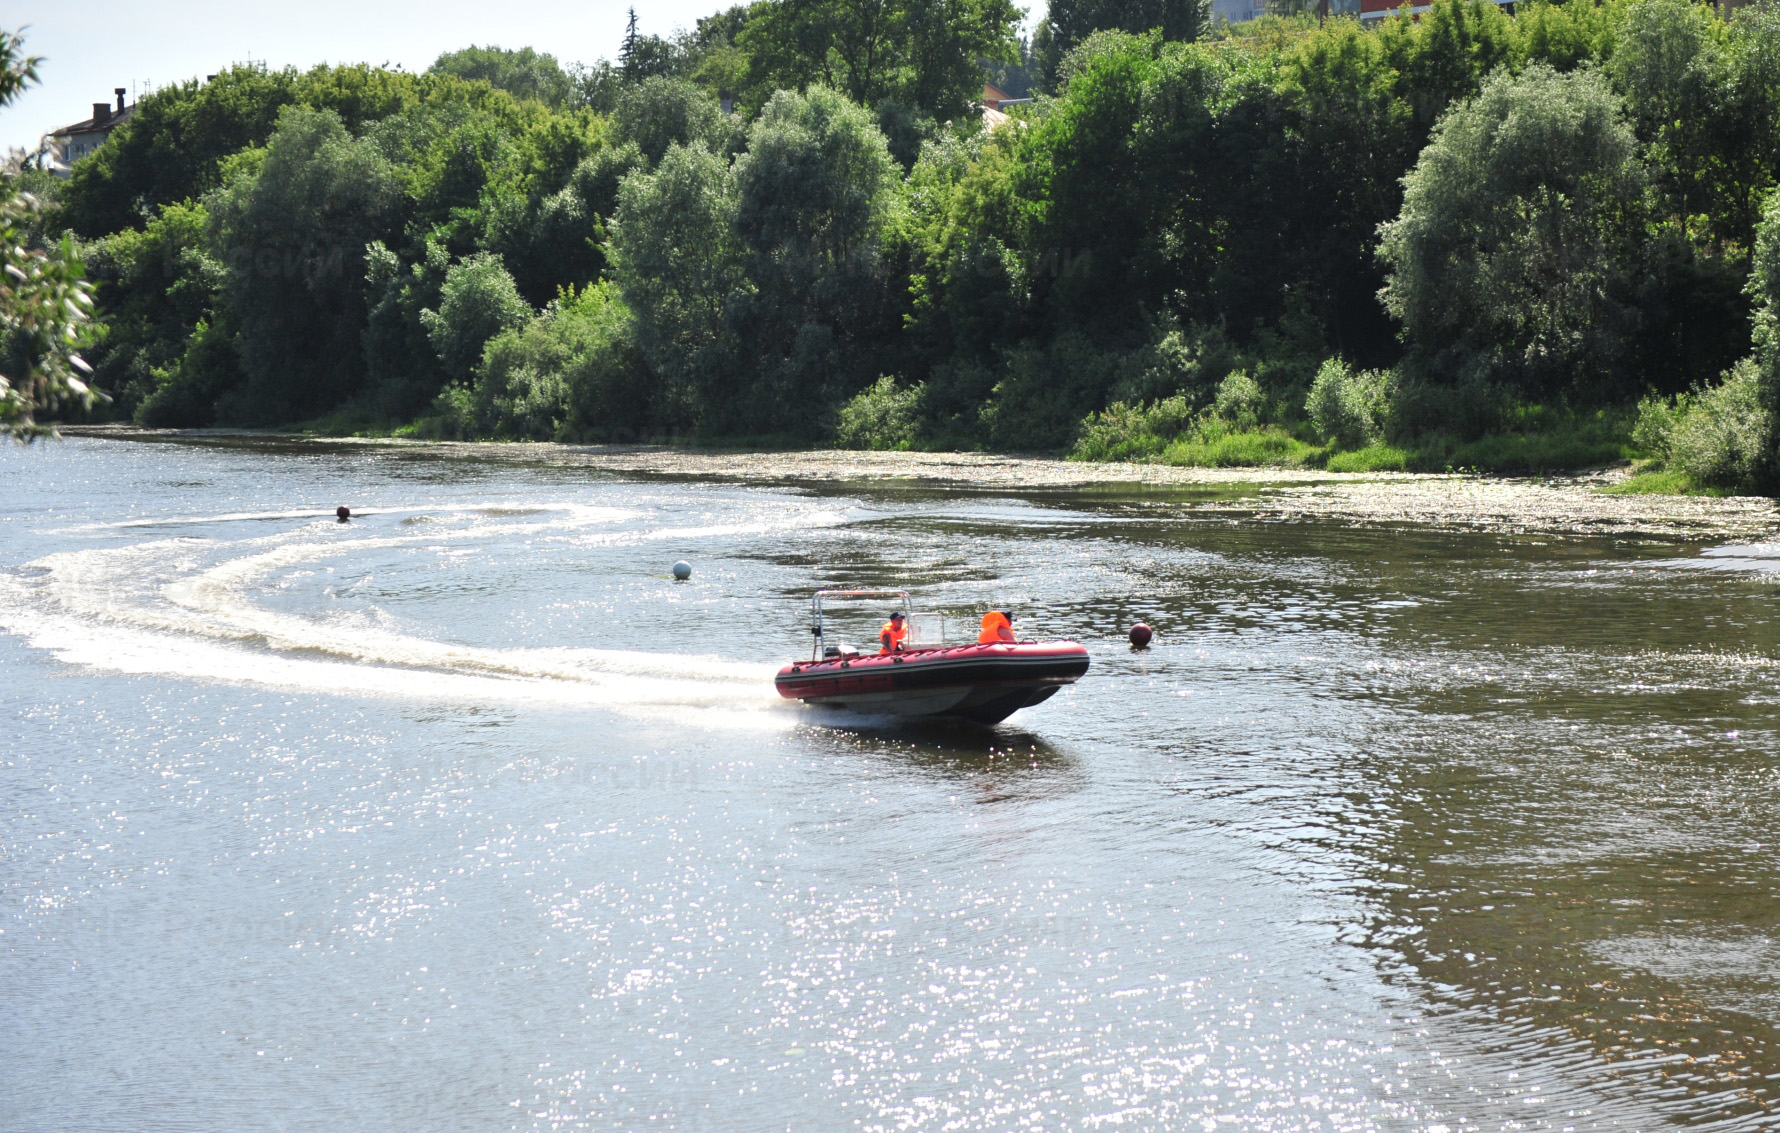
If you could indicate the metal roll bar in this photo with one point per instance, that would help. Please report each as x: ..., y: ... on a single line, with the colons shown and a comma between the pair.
x: 816, y: 628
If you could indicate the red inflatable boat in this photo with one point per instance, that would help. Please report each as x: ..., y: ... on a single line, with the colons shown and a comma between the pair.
x: 981, y: 683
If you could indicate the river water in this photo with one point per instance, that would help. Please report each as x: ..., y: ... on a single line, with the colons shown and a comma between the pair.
x: 465, y: 816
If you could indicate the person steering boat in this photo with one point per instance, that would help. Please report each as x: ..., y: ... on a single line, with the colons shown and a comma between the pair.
x: 894, y: 634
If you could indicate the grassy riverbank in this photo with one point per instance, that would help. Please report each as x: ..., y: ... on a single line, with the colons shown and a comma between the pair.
x: 1549, y: 444
x: 1508, y: 453
x: 1533, y: 440
x: 1526, y: 439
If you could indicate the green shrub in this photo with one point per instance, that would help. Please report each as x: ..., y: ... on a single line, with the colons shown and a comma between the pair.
x: 1468, y: 409
x: 451, y: 418
x: 881, y: 416
x: 1188, y: 360
x: 1132, y: 432
x: 1559, y: 450
x: 1722, y: 436
x: 571, y: 373
x: 1657, y: 417
x: 478, y: 302
x: 185, y: 394
x: 1346, y: 407
x: 1239, y: 401
x: 1230, y: 432
x: 1660, y: 482
x: 1047, y: 391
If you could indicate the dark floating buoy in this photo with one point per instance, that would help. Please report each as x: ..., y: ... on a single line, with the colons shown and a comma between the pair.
x: 343, y: 512
x: 682, y: 570
x: 1141, y: 634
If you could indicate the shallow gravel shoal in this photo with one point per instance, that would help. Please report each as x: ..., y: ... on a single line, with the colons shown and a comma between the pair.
x: 1556, y: 504
x: 1559, y: 504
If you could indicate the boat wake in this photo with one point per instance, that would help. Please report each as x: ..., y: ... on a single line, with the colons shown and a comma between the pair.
x: 1763, y: 558
x: 203, y: 608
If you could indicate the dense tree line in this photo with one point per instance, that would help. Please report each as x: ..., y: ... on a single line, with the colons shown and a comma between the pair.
x: 790, y: 222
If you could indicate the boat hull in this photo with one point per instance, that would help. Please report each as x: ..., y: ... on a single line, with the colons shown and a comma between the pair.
x: 981, y: 683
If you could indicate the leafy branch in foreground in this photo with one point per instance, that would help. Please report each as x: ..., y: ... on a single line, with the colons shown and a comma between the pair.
x: 45, y: 301
x: 17, y: 70
x: 44, y: 296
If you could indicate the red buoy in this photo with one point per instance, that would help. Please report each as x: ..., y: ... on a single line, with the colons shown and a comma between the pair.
x: 1141, y: 634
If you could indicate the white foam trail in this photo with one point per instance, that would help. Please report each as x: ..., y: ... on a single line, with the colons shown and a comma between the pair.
x: 119, y: 649
x: 219, y: 595
x: 164, y: 607
x: 658, y: 534
x: 192, y: 520
x: 319, y: 514
x: 1751, y: 557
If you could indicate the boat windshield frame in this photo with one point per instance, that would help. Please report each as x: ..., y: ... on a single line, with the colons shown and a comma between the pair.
x: 819, y: 632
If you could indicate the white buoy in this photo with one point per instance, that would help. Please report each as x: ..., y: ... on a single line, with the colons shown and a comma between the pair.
x: 682, y: 570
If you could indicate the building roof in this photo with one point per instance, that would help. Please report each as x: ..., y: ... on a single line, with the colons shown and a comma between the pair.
x: 111, y: 121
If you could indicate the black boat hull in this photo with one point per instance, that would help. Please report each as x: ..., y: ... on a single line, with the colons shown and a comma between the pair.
x: 984, y: 684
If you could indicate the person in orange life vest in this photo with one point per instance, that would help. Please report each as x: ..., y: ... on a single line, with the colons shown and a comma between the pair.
x: 893, y: 634
x: 998, y: 627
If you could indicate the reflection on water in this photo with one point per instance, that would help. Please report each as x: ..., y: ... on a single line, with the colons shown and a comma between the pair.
x: 1612, y: 884
x: 466, y: 815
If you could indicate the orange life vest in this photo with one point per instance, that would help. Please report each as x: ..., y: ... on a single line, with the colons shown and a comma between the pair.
x: 892, y: 635
x: 996, y: 628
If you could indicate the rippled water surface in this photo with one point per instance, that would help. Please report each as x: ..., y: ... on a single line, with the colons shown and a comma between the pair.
x: 464, y: 815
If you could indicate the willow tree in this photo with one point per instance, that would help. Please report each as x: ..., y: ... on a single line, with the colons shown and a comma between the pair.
x: 814, y: 193
x: 675, y: 255
x: 291, y: 224
x: 926, y: 55
x: 1514, y: 255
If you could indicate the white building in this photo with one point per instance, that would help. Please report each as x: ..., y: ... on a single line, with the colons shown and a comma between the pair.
x: 1237, y: 11
x: 71, y: 143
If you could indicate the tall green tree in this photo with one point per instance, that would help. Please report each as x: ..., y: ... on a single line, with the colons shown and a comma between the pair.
x: 677, y: 259
x: 157, y: 285
x: 1070, y: 22
x: 814, y: 193
x: 659, y: 112
x: 523, y: 73
x: 758, y: 288
x: 291, y: 226
x: 925, y: 54
x: 560, y: 240
x: 1740, y: 158
x: 1514, y: 255
x: 1668, y: 65
x: 174, y: 146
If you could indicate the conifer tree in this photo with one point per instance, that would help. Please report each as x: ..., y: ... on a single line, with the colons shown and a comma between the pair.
x: 627, y: 51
